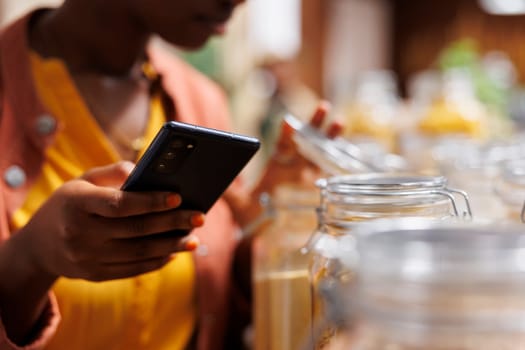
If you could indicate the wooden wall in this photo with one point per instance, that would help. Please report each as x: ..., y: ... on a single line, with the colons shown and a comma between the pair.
x: 311, y: 58
x: 422, y: 28
x: 341, y: 38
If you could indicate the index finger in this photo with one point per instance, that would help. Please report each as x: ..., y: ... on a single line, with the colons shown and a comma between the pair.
x: 113, y: 203
x: 112, y: 175
x: 285, y: 143
x: 321, y: 111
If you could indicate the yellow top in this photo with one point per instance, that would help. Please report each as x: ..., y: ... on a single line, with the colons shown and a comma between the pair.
x: 153, y: 311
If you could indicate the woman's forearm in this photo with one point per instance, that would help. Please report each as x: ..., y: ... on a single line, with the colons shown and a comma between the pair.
x: 24, y: 291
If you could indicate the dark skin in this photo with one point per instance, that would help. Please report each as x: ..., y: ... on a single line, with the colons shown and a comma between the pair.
x: 103, y: 43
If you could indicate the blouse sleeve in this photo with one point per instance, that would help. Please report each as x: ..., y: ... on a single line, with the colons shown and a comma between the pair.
x: 48, y: 322
x: 44, y: 331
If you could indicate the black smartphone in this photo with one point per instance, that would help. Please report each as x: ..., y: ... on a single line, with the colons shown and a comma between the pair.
x: 198, y: 163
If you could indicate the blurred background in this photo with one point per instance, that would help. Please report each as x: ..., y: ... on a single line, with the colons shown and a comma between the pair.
x: 393, y: 69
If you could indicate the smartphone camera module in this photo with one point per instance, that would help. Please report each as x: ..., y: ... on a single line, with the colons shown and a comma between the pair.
x: 178, y: 144
x: 161, y: 167
x: 169, y: 155
x: 173, y: 155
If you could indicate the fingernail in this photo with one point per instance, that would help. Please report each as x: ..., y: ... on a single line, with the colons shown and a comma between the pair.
x: 191, y: 244
x: 287, y: 130
x: 317, y: 119
x: 320, y: 113
x: 324, y: 106
x: 173, y: 200
x: 127, y: 166
x: 334, y: 130
x: 197, y: 220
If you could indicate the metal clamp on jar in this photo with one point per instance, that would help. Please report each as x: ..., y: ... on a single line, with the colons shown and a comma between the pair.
x: 346, y: 202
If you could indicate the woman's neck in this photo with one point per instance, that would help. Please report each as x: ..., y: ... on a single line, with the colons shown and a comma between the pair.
x: 89, y: 40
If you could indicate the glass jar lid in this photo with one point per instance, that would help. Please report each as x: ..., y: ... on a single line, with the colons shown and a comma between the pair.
x: 383, y: 183
x: 346, y: 188
x: 339, y: 156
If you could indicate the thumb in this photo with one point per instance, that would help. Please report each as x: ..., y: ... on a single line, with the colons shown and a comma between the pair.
x: 112, y: 175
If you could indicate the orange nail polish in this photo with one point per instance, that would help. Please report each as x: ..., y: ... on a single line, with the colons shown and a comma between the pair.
x: 197, y: 220
x: 173, y: 200
x: 317, y: 119
x: 334, y: 130
x: 192, y: 244
x: 320, y: 113
x: 287, y: 130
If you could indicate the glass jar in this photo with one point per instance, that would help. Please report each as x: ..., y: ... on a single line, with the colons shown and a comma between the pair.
x: 510, y: 188
x: 477, y: 170
x: 450, y: 111
x: 372, y: 110
x: 339, y: 156
x: 282, y: 307
x: 435, y: 287
x: 346, y: 202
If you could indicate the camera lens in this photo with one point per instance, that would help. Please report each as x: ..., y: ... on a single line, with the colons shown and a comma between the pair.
x: 169, y: 155
x: 177, y: 143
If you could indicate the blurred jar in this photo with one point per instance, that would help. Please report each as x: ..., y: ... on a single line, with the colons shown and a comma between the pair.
x: 282, y: 308
x: 443, y: 107
x: 477, y: 169
x: 439, y: 287
x: 372, y: 110
x: 510, y: 187
x: 347, y: 202
x: 457, y: 110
